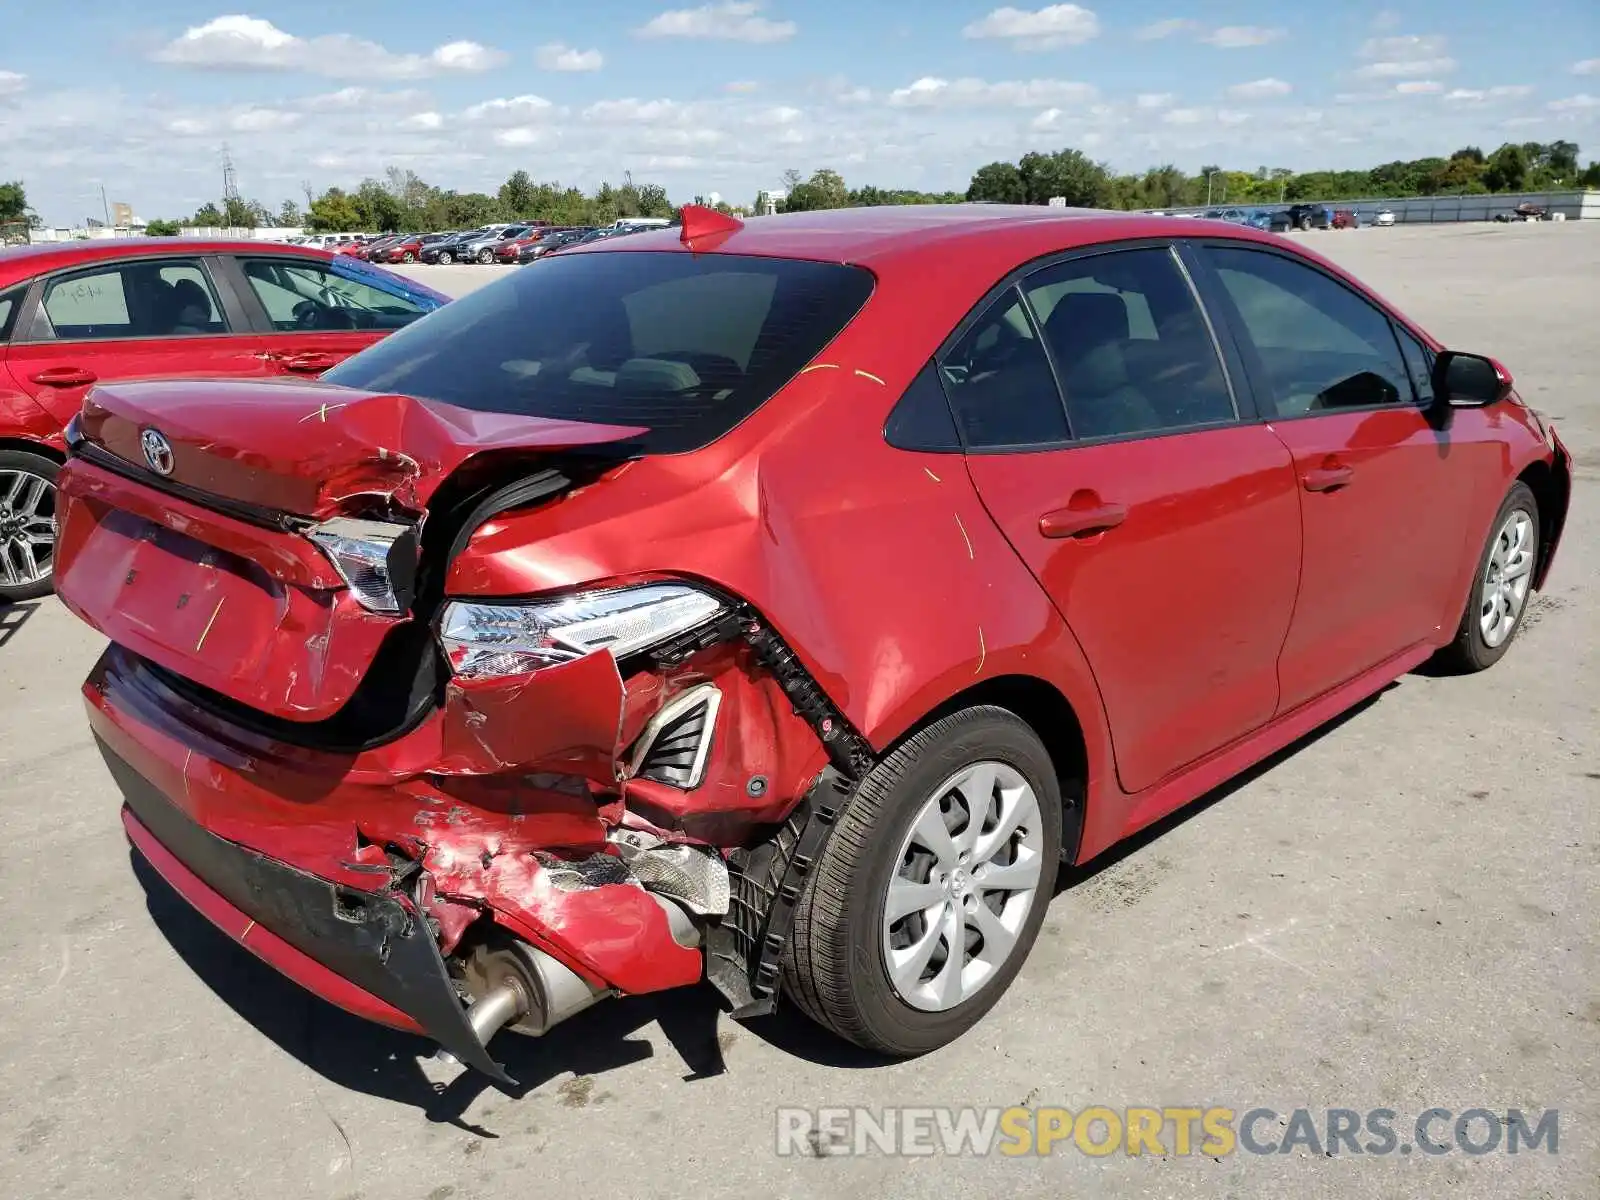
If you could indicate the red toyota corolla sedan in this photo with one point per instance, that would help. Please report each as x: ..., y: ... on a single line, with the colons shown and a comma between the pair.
x: 777, y: 604
x: 78, y: 313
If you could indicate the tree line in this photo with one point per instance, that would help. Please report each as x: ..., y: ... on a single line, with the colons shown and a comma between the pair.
x: 402, y: 202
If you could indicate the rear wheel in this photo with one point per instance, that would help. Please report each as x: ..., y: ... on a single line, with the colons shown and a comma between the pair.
x: 485, y: 256
x: 445, y: 258
x: 408, y: 257
x: 1501, y: 587
x: 930, y: 893
x: 27, y: 524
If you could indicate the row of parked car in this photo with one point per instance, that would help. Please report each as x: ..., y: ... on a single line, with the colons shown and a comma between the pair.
x: 506, y: 243
x: 1297, y: 216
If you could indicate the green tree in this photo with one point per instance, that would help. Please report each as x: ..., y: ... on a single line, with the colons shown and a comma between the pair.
x: 825, y: 189
x: 380, y: 210
x: 998, y: 183
x: 289, y: 215
x: 13, y: 201
x: 1507, y: 169
x: 237, y: 214
x: 1069, y: 174
x: 334, y: 212
x: 162, y: 229
x: 517, y: 195
x: 208, y: 216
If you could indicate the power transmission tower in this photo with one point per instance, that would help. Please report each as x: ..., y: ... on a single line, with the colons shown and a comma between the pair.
x: 230, y: 182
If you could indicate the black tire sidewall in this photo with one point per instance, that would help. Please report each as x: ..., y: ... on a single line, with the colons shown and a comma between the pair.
x: 48, y: 468
x: 997, y: 735
x: 1470, y: 635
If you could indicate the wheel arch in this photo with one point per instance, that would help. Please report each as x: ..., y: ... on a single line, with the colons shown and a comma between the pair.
x: 1053, y: 720
x: 28, y: 446
x: 1551, y: 485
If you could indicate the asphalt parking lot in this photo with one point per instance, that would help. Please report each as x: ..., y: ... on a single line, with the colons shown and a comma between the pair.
x: 1400, y: 913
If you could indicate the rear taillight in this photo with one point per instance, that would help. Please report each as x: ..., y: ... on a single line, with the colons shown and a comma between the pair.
x: 377, y: 559
x: 489, y: 640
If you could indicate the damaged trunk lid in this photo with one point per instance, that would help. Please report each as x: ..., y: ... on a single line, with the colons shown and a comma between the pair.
x: 262, y: 539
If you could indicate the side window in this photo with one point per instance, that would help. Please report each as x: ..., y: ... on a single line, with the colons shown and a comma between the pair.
x: 1130, y: 343
x: 306, y: 295
x: 1000, y: 384
x: 10, y: 305
x: 1419, y: 362
x: 1323, y: 347
x: 155, y: 298
x: 921, y: 418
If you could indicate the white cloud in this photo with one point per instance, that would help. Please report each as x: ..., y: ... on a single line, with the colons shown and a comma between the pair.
x: 726, y: 22
x: 1238, y: 37
x: 262, y: 120
x: 520, y: 135
x: 1589, y: 66
x: 783, y: 114
x: 632, y: 111
x: 12, y: 83
x: 741, y: 87
x: 974, y: 93
x: 188, y: 127
x: 1479, y: 95
x: 1419, y: 87
x: 1153, y: 100
x: 423, y: 120
x: 514, y: 110
x: 1259, y: 89
x: 360, y: 99
x: 558, y: 57
x: 1582, y: 101
x: 1231, y: 116
x: 1048, y: 119
x: 1184, y: 116
x: 1165, y: 29
x: 1387, y: 19
x: 1405, y: 56
x: 242, y: 42
x: 1041, y: 29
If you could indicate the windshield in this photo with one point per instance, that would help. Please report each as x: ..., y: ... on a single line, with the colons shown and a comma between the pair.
x: 685, y: 345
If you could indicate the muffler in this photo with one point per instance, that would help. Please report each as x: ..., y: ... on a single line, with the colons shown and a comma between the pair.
x: 519, y: 987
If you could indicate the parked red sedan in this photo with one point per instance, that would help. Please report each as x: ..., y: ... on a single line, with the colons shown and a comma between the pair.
x: 80, y: 313
x: 774, y: 603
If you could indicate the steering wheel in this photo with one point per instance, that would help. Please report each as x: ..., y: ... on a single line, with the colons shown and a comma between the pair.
x: 307, y: 314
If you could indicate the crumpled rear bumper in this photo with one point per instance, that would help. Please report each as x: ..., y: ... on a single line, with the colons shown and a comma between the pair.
x: 359, y: 876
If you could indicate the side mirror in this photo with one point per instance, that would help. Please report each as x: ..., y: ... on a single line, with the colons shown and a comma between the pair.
x: 1469, y: 380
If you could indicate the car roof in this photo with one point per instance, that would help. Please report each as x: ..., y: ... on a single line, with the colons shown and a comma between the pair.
x: 24, y: 262
x: 888, y: 235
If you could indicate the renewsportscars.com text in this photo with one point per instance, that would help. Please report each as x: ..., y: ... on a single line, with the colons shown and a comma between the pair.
x: 1214, y: 1132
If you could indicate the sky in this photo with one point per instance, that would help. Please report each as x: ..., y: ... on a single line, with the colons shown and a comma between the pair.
x: 725, y: 96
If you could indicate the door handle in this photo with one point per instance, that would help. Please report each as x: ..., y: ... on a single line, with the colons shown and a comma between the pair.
x: 1081, y: 522
x: 308, y: 364
x: 1327, y: 479
x: 64, y: 377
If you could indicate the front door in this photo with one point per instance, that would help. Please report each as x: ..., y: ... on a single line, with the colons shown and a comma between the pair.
x: 1166, y: 531
x: 314, y: 315
x: 1382, y: 490
x: 133, y: 319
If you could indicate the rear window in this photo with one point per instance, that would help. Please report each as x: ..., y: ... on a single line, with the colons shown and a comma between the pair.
x: 685, y: 345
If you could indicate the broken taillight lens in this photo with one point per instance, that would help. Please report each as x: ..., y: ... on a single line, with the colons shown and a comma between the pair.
x: 485, y: 640
x: 377, y: 559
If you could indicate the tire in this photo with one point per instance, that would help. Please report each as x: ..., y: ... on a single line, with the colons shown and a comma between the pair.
x: 1305, y: 224
x: 485, y: 257
x: 1472, y: 650
x: 835, y: 967
x: 408, y: 257
x: 20, y: 474
x: 445, y: 258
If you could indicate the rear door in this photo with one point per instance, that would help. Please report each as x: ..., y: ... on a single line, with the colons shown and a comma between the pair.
x: 127, y: 319
x: 1165, y: 528
x: 312, y: 314
x: 1382, y: 489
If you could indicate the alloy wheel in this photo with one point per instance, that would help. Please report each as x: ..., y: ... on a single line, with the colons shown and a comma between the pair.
x: 1506, y: 578
x: 967, y: 876
x: 27, y: 527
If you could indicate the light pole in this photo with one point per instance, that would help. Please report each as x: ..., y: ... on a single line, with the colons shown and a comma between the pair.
x: 1209, y: 174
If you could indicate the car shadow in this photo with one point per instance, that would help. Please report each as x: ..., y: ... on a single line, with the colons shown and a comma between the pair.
x: 357, y: 1054
x: 13, y: 617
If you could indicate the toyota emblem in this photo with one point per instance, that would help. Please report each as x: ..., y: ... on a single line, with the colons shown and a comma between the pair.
x: 157, y: 451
